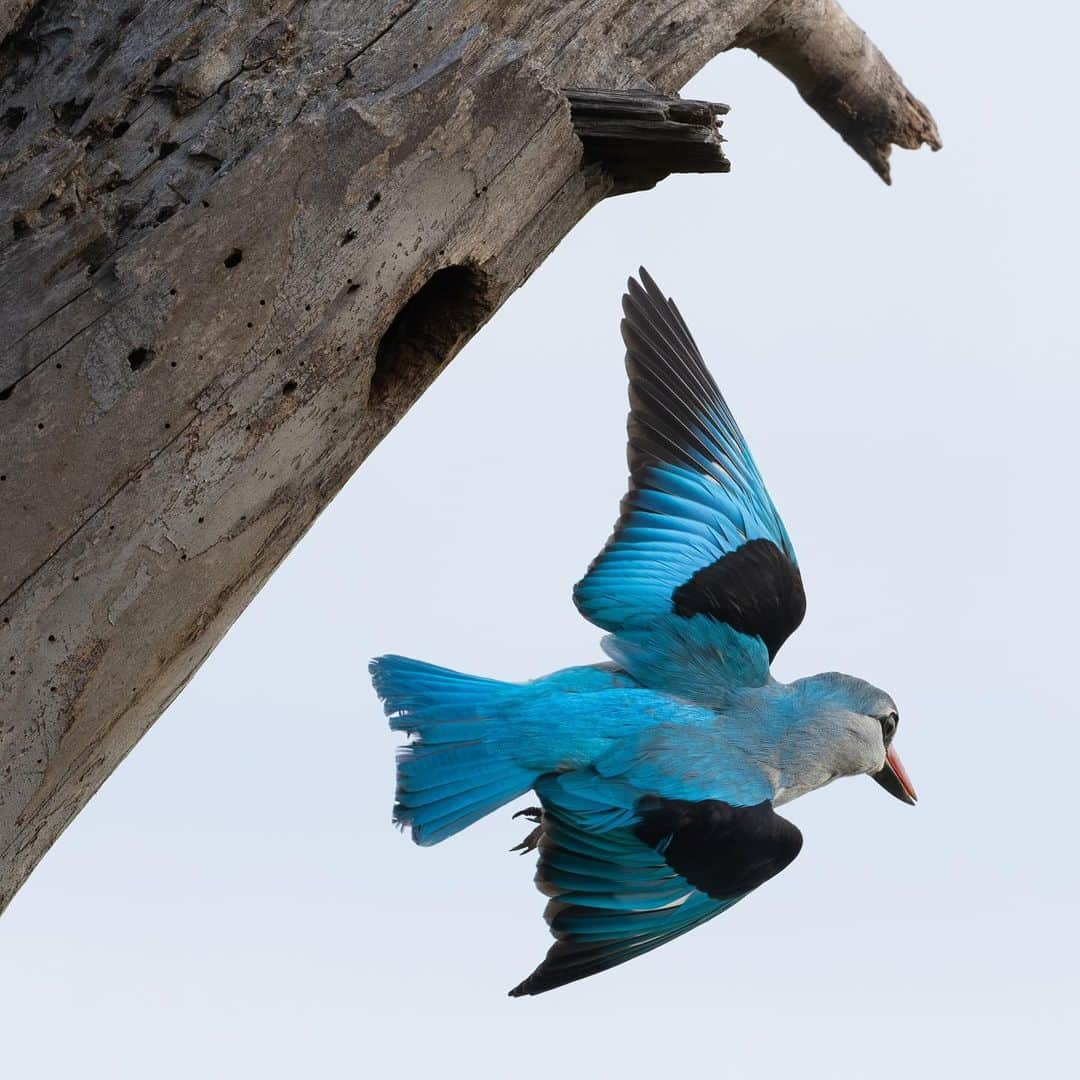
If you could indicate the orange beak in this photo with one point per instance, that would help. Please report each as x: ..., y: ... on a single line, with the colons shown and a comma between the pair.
x: 894, y: 779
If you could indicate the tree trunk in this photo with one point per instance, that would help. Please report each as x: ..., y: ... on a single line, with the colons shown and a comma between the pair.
x: 239, y: 240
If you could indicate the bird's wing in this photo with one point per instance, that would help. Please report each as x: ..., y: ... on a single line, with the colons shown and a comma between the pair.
x: 625, y: 879
x: 698, y: 534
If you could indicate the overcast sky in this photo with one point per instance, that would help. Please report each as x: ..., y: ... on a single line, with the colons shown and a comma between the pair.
x: 903, y: 363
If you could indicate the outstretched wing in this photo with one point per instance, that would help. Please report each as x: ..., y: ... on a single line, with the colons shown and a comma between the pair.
x: 625, y: 882
x: 698, y: 534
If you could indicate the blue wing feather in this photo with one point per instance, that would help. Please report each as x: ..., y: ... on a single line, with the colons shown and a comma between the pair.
x: 613, y: 897
x: 695, y: 497
x: 627, y: 873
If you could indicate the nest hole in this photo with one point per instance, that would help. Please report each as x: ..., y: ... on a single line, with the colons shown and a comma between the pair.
x: 426, y: 333
x: 140, y: 357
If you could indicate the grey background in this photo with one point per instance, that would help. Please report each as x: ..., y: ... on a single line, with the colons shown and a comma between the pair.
x: 235, y: 902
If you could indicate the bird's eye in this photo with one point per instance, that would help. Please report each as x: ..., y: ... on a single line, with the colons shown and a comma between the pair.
x: 888, y: 727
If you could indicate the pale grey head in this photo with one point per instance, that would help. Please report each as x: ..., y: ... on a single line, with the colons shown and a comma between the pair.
x: 844, y: 726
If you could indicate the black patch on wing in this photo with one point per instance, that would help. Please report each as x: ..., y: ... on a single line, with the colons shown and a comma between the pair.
x: 755, y: 589
x: 723, y: 850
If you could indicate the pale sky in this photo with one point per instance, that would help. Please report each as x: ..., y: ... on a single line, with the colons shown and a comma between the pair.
x: 235, y: 901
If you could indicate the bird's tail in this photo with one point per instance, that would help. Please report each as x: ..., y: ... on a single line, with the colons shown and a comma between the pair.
x: 457, y: 767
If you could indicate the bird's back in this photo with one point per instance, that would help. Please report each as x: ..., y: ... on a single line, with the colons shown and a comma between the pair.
x: 601, y: 723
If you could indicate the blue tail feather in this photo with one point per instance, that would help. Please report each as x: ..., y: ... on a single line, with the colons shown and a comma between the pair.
x: 458, y: 766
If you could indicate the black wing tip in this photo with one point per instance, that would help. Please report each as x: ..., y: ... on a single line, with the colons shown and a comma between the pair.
x: 567, y: 962
x: 641, y: 293
x: 644, y: 281
x: 534, y: 984
x: 529, y: 988
x: 654, y: 331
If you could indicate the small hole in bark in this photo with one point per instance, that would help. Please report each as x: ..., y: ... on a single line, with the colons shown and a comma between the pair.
x: 250, y: 325
x: 374, y: 201
x: 289, y: 387
x: 211, y: 161
x: 41, y: 427
x: 233, y: 258
x: 163, y: 65
x: 137, y: 358
x: 438, y: 319
x: 120, y: 129
x: 14, y: 117
x: 166, y: 149
x: 172, y: 363
x: 52, y: 637
x: 348, y: 236
x: 71, y: 111
x: 201, y: 520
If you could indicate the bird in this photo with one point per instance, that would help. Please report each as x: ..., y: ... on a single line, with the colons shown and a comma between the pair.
x: 660, y: 770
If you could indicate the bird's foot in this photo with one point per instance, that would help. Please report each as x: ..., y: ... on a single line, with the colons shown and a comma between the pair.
x: 533, y: 813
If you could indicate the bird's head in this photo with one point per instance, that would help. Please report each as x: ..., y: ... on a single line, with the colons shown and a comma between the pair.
x: 861, y: 723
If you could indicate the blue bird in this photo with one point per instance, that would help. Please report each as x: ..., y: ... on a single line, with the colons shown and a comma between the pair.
x: 658, y: 773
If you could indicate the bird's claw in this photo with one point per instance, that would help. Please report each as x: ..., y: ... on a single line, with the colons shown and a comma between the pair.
x: 530, y: 842
x: 533, y: 813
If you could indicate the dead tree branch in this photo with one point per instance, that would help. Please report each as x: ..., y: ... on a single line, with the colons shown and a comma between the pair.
x: 842, y: 76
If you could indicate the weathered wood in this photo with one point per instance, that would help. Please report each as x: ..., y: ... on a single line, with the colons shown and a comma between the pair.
x: 237, y: 240
x: 638, y: 137
x: 842, y: 75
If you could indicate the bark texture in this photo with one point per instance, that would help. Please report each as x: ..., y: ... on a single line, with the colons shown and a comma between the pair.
x: 237, y: 240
